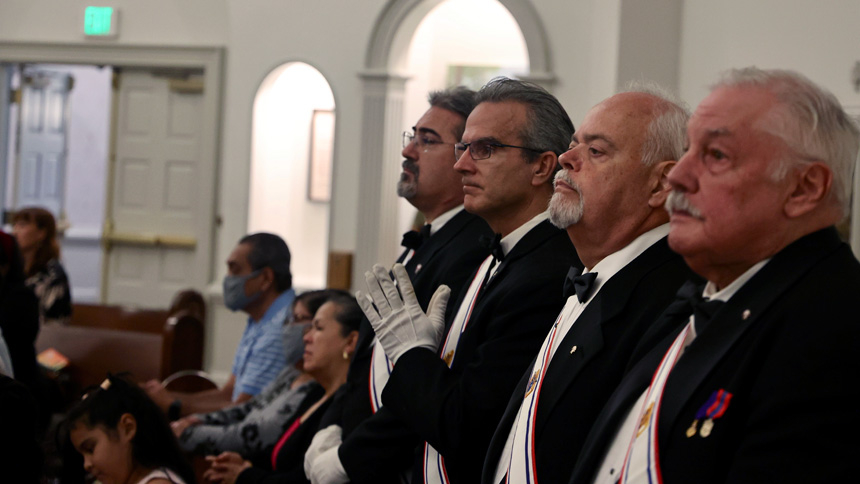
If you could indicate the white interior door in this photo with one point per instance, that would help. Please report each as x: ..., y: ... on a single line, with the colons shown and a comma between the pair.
x: 159, y: 226
x: 43, y: 128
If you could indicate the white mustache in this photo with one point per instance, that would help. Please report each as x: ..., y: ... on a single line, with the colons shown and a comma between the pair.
x: 678, y: 202
x: 563, y: 175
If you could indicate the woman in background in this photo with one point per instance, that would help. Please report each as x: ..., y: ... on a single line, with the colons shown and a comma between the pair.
x: 254, y: 427
x: 36, y: 232
x: 329, y: 346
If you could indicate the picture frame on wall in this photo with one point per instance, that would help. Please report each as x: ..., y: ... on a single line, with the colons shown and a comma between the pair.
x: 320, y: 155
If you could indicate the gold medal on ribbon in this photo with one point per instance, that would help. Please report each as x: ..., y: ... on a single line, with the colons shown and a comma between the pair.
x: 692, y: 430
x: 646, y: 417
x: 532, y: 383
x: 707, y: 426
x: 449, y: 357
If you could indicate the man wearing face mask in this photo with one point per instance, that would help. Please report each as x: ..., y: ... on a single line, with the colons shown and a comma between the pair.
x: 259, y: 283
x: 255, y: 426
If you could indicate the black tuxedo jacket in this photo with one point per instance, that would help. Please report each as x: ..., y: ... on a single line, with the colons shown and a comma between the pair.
x: 785, y: 346
x: 457, y: 409
x: 450, y: 256
x: 578, y: 383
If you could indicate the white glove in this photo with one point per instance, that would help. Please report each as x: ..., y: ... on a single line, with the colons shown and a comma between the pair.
x: 327, y: 469
x: 399, y: 323
x: 323, y: 440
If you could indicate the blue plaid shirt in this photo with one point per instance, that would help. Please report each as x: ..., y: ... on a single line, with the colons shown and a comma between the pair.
x: 260, y: 355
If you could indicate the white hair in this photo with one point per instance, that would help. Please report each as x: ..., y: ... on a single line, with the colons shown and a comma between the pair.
x: 667, y: 132
x: 810, y: 121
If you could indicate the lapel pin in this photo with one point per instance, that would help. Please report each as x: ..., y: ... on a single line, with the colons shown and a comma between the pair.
x: 418, y: 268
x: 573, y: 350
x: 746, y: 314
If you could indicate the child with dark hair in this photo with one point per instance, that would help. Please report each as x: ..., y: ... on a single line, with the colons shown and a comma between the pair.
x: 124, y: 437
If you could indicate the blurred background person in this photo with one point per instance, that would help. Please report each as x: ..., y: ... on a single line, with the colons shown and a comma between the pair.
x: 36, y: 232
x: 255, y: 426
x: 329, y: 347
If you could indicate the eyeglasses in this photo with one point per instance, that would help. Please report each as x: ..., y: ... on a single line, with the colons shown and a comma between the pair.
x: 421, y: 141
x: 483, y: 149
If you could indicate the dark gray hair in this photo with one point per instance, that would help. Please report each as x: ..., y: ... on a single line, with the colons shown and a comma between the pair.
x: 459, y: 100
x: 667, y: 132
x: 269, y: 250
x: 548, y: 127
x: 810, y: 121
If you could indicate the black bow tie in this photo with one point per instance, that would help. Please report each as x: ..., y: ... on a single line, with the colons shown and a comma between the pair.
x: 493, y: 245
x: 579, y: 284
x: 690, y: 297
x: 416, y: 238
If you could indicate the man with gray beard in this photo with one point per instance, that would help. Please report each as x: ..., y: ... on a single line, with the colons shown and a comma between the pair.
x: 446, y: 251
x: 609, y: 196
x: 755, y: 382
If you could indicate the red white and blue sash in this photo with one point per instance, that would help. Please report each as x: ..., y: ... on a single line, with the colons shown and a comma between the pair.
x: 521, y: 466
x: 642, y: 461
x: 380, y: 370
x: 434, y: 463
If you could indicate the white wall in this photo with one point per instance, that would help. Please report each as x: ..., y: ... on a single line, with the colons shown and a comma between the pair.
x: 450, y: 35
x: 819, y: 38
x: 279, y: 174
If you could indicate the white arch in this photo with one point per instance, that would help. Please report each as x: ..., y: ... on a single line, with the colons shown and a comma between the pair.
x: 383, y: 82
x: 398, y: 20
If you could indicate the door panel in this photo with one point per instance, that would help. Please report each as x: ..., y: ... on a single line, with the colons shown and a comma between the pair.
x: 156, y: 214
x: 42, y: 148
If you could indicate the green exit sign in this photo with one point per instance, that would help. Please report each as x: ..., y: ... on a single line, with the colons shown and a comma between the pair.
x: 100, y: 21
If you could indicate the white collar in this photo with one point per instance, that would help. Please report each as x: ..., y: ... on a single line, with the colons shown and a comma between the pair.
x: 727, y: 292
x: 509, y: 241
x: 442, y: 219
x: 613, y: 263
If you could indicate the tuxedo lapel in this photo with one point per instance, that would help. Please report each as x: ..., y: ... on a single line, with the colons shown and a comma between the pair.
x: 534, y: 238
x: 741, y: 312
x: 587, y: 332
x: 438, y: 241
x: 497, y: 444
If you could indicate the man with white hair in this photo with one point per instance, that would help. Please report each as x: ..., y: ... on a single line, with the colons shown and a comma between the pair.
x: 755, y: 382
x: 609, y: 197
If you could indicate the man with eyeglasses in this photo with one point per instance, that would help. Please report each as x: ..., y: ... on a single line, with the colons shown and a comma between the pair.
x: 451, y: 391
x: 609, y: 197
x: 446, y: 251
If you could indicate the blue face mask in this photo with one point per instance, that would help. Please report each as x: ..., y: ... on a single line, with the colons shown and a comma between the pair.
x: 234, y: 291
x: 294, y: 343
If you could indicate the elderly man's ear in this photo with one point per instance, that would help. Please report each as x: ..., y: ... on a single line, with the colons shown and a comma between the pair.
x: 659, y: 183
x: 812, y: 184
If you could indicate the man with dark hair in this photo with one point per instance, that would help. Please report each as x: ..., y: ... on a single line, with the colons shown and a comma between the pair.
x: 609, y: 196
x: 259, y: 283
x: 754, y: 383
x: 446, y: 251
x: 452, y: 395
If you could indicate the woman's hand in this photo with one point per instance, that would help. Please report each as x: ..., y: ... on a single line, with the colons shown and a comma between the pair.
x: 225, y: 468
x: 180, y: 425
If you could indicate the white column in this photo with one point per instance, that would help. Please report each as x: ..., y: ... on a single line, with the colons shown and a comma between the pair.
x: 381, y: 129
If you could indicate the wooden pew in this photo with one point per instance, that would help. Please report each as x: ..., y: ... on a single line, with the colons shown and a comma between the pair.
x: 148, y: 343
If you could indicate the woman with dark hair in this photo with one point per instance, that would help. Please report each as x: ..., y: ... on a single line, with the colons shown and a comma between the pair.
x: 329, y: 346
x: 36, y: 232
x: 254, y: 427
x: 124, y: 437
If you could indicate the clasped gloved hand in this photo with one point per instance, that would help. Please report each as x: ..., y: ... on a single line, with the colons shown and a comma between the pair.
x: 399, y: 322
